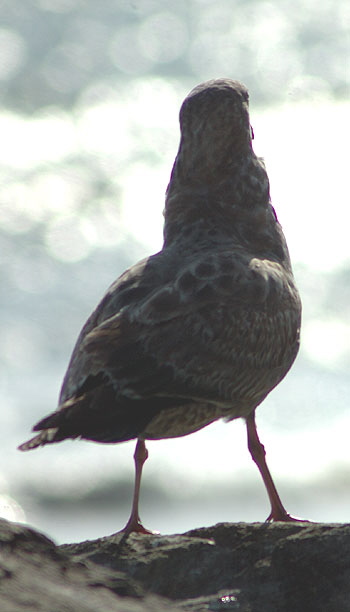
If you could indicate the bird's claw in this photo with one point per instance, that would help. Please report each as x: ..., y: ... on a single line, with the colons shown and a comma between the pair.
x: 284, y: 517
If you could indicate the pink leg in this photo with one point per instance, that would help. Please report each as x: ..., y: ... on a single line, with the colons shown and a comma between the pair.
x: 257, y: 451
x: 134, y: 522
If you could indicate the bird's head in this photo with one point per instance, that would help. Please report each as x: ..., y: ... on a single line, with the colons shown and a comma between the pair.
x: 215, y: 128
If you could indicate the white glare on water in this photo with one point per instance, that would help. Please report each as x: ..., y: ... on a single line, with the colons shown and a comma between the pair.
x: 304, y: 146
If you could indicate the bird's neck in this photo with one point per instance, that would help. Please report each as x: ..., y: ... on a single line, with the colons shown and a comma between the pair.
x: 213, y: 160
x: 234, y: 211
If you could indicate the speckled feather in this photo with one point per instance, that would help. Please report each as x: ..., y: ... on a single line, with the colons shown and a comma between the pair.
x: 208, y: 326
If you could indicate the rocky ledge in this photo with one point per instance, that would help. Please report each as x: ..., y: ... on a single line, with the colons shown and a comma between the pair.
x: 259, y: 567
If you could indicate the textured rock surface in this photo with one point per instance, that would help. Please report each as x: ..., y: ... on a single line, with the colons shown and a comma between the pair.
x: 36, y: 576
x: 245, y: 567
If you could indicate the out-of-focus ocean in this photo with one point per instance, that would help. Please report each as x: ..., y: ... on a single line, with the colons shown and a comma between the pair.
x: 89, y: 130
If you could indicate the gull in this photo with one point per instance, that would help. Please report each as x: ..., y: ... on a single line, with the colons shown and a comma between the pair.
x: 207, y: 327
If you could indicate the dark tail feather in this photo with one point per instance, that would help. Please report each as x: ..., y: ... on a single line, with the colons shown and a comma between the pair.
x: 44, y: 437
x: 51, y: 428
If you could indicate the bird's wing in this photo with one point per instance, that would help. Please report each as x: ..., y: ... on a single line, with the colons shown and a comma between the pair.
x: 214, y: 313
x: 215, y: 336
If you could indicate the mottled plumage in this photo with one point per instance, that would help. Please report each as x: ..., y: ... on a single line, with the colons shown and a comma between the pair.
x: 208, y: 326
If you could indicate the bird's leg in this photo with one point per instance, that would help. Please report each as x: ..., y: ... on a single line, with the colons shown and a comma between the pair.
x: 134, y: 522
x: 257, y: 451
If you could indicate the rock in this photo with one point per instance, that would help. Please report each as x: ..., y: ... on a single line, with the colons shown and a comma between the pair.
x: 36, y: 576
x: 259, y: 567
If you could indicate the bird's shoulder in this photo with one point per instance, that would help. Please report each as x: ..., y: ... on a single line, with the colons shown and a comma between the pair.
x: 226, y: 276
x: 171, y: 283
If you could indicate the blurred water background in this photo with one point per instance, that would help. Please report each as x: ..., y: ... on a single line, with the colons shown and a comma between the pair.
x: 90, y: 94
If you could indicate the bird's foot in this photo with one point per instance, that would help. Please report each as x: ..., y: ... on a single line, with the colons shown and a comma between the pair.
x: 283, y: 516
x: 134, y: 525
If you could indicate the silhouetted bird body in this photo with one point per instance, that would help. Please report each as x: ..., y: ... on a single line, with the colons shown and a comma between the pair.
x: 208, y: 326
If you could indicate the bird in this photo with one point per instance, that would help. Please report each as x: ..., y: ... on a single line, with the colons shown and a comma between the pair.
x: 205, y: 328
